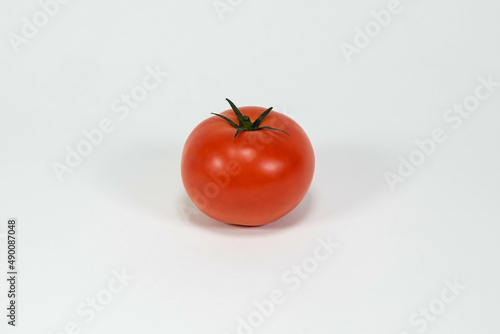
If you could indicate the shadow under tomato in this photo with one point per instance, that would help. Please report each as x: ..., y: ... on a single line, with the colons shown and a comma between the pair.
x: 193, y: 215
x: 347, y: 176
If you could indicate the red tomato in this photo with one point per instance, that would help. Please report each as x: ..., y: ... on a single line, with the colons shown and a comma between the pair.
x: 251, y: 176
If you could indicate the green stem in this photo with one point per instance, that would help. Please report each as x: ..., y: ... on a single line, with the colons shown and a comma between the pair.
x: 245, y: 123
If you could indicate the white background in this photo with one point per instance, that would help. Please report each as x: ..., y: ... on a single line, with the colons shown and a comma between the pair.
x: 124, y: 207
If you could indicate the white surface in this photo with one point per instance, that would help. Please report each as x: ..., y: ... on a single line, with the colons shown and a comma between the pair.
x: 120, y: 209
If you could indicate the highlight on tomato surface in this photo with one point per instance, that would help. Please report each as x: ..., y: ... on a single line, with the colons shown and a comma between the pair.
x: 247, y: 166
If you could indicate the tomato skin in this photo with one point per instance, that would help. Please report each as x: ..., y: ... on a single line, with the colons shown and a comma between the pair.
x: 253, y: 179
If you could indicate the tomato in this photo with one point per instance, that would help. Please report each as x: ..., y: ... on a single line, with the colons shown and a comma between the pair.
x: 248, y: 166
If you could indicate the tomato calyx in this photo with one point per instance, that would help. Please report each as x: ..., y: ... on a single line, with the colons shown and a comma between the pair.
x: 245, y: 123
